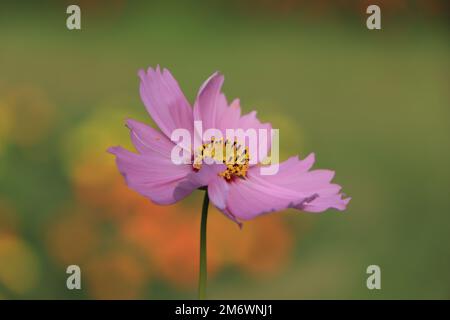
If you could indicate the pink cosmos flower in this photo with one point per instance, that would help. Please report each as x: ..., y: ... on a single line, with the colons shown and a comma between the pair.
x: 242, y: 193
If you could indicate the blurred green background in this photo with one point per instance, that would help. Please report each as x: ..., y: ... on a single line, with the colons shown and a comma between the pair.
x: 372, y: 105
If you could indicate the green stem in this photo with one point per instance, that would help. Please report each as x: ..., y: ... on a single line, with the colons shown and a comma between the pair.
x: 202, y: 275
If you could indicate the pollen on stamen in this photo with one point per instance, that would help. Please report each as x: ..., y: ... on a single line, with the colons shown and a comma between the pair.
x: 237, y: 163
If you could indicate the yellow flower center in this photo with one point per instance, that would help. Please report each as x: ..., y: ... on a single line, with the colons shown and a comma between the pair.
x: 232, y: 154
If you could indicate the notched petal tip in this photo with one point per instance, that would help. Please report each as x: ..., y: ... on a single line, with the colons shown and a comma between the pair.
x: 236, y: 103
x: 166, y: 73
x: 310, y: 158
x: 149, y: 72
x: 345, y: 203
x: 233, y: 218
x: 141, y: 74
x: 130, y: 123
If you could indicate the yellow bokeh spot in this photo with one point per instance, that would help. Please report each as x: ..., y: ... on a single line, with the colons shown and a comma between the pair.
x: 26, y: 115
x: 19, y: 265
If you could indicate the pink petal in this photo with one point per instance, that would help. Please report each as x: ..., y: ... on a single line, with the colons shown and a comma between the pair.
x: 292, y: 187
x: 217, y: 192
x: 208, y: 176
x: 209, y: 100
x: 253, y: 196
x: 294, y: 174
x: 152, y: 175
x: 164, y: 100
x: 228, y: 116
x: 250, y: 121
x: 148, y: 140
x: 325, y: 202
x: 202, y: 178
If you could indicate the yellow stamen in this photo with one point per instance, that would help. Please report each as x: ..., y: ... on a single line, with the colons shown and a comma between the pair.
x: 233, y: 156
